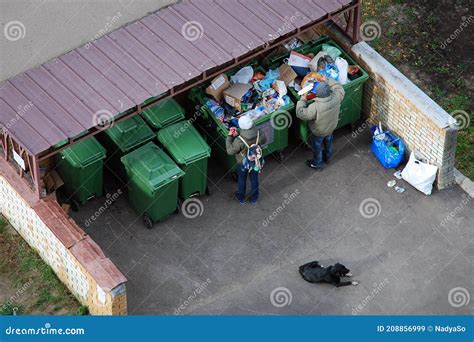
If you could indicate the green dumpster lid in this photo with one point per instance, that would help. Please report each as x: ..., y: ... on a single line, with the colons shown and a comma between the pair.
x: 84, y: 153
x: 130, y: 133
x: 184, y: 142
x: 165, y: 112
x: 152, y: 165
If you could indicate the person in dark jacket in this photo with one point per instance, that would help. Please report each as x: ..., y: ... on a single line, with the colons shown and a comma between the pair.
x: 235, y: 146
x: 322, y: 116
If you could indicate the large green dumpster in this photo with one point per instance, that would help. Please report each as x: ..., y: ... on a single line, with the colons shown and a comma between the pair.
x: 273, y: 125
x: 81, y: 168
x: 351, y: 105
x: 191, y: 153
x: 153, y: 179
x: 123, y: 138
x: 164, y: 113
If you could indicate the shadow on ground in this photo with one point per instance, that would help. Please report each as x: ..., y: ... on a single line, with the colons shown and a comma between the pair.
x: 402, y: 248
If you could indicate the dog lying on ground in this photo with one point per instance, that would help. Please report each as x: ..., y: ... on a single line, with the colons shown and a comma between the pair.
x: 313, y: 272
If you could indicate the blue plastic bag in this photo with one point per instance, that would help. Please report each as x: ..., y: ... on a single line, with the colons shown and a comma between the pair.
x: 388, y: 148
x: 270, y: 77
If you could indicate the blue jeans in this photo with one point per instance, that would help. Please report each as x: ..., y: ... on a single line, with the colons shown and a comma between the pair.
x: 242, y: 174
x: 321, y: 149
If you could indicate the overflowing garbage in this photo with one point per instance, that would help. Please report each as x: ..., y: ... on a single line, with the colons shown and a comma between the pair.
x: 250, y: 91
x: 309, y: 69
x: 307, y: 65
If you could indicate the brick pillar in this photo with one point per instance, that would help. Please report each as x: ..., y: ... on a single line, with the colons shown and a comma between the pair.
x: 446, y: 171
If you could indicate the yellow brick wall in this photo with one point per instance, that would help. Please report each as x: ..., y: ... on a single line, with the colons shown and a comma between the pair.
x: 68, y: 269
x: 401, y: 114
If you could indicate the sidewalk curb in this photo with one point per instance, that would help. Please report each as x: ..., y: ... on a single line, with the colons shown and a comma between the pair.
x: 465, y: 183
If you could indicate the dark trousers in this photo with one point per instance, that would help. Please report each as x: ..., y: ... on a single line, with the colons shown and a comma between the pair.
x: 321, y: 149
x: 242, y: 174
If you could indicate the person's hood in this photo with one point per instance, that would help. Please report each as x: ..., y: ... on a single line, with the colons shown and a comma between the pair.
x: 249, y: 133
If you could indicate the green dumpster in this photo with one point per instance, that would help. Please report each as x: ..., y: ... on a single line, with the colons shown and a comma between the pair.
x: 81, y: 168
x: 123, y: 138
x: 153, y: 179
x: 273, y: 125
x: 351, y: 106
x: 164, y: 113
x: 191, y: 153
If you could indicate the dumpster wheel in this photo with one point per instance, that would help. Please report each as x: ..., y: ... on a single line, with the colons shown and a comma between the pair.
x: 234, y: 176
x: 74, y: 205
x: 208, y: 190
x: 279, y: 156
x: 147, y: 222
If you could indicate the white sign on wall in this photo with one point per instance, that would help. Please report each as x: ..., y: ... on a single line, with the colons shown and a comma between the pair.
x: 19, y: 160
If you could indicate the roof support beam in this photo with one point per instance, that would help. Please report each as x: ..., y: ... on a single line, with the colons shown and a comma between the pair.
x: 356, y: 17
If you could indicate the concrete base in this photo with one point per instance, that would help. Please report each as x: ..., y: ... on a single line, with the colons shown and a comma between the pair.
x: 407, y: 250
x: 465, y: 183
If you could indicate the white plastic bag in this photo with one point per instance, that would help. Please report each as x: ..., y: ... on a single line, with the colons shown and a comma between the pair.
x: 244, y: 75
x: 342, y: 66
x: 420, y: 175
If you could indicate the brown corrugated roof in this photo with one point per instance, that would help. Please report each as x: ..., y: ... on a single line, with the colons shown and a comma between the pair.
x: 142, y: 60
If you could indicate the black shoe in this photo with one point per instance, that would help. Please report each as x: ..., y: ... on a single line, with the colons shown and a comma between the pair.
x: 309, y: 163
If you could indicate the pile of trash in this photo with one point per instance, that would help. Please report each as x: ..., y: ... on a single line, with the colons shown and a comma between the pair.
x: 303, y: 72
x: 255, y: 93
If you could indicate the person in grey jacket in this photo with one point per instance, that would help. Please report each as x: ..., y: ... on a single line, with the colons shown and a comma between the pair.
x: 322, y: 116
x: 235, y: 146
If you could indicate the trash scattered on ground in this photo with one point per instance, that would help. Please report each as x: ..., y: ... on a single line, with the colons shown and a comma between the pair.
x: 391, y: 183
x: 399, y: 189
x: 398, y: 174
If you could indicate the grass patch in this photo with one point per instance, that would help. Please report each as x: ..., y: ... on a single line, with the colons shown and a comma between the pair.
x: 411, y: 34
x: 23, y: 267
x: 3, y: 225
x: 10, y: 309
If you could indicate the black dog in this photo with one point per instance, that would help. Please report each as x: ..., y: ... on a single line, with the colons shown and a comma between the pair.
x: 313, y: 272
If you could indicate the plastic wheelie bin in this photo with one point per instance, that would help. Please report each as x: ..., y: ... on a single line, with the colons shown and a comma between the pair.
x: 189, y: 150
x: 274, y: 126
x: 153, y: 181
x: 164, y: 113
x: 81, y: 168
x: 351, y: 105
x: 123, y: 138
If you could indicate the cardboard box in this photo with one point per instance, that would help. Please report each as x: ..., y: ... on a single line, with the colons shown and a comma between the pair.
x: 309, y: 36
x: 66, y: 207
x: 233, y: 95
x: 217, y: 87
x: 287, y: 74
x: 52, y: 181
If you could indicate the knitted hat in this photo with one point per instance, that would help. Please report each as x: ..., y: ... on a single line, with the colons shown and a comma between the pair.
x: 323, y: 90
x: 245, y: 122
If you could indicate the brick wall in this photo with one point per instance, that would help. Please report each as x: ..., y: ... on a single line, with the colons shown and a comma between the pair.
x: 402, y: 107
x: 75, y: 258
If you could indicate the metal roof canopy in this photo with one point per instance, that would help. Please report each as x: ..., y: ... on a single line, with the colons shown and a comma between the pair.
x: 165, y: 53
